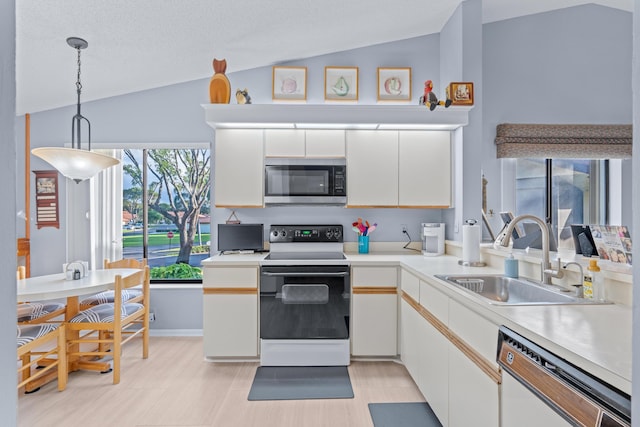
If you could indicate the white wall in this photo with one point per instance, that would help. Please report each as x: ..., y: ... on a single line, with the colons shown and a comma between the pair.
x: 8, y: 403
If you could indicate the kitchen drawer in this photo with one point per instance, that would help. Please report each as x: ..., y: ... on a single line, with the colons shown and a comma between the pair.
x: 410, y: 284
x: 230, y: 277
x: 435, y: 302
x: 374, y: 277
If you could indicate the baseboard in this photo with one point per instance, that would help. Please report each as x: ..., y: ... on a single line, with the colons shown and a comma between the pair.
x: 175, y: 332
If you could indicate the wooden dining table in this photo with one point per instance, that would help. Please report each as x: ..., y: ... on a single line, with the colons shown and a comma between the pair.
x: 56, y: 287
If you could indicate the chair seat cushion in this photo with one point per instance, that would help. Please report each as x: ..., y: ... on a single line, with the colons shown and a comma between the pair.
x: 104, y: 313
x: 34, y: 310
x: 28, y: 333
x: 107, y: 297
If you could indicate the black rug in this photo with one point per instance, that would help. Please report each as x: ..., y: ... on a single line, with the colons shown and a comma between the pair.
x: 413, y: 414
x: 301, y: 382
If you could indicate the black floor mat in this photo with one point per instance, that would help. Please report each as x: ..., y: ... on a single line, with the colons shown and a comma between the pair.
x: 412, y: 414
x: 301, y: 382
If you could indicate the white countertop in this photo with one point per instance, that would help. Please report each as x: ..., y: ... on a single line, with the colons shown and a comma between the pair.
x: 596, y: 338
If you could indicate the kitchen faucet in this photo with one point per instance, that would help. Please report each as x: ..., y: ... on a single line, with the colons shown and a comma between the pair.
x: 547, y: 271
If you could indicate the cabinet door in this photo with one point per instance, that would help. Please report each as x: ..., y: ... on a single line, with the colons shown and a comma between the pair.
x: 372, y: 168
x: 284, y: 143
x: 424, y: 169
x: 230, y: 325
x: 433, y: 369
x: 473, y: 396
x: 374, y: 321
x: 409, y: 349
x: 239, y: 168
x: 325, y: 143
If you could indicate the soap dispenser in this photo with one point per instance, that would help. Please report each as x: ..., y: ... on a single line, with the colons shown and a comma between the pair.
x: 592, y: 287
x: 511, y: 266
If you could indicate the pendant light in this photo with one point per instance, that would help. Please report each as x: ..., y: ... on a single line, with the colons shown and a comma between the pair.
x: 76, y: 163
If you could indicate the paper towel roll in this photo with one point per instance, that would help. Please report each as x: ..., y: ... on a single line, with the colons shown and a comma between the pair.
x: 470, y: 243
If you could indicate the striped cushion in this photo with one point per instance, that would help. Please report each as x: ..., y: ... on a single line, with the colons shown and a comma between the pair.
x: 34, y: 310
x: 107, y: 296
x: 103, y: 313
x: 28, y: 333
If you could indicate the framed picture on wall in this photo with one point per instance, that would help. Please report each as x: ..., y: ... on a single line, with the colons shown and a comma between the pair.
x: 47, y: 199
x: 341, y: 83
x: 460, y: 93
x: 394, y: 84
x: 289, y: 83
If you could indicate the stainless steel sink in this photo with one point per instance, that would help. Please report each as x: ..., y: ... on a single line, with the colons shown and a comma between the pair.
x: 501, y: 290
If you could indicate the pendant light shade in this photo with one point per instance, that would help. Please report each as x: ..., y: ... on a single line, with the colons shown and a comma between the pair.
x: 76, y: 163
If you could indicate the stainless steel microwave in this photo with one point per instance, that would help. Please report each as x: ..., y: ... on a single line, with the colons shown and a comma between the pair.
x: 305, y: 181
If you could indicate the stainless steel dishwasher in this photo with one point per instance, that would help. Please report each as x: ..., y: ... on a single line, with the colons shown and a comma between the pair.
x: 574, y: 396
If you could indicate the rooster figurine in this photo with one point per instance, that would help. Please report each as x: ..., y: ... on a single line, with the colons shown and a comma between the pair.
x: 430, y: 99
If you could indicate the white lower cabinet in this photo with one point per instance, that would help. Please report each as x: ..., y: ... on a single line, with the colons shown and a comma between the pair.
x: 374, y: 311
x: 433, y: 372
x: 230, y: 312
x: 374, y: 325
x: 473, y: 396
x: 433, y: 331
x: 230, y: 325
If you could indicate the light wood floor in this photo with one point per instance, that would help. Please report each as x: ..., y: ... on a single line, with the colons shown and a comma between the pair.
x: 176, y: 387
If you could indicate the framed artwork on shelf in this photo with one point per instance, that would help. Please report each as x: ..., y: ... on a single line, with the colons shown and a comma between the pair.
x: 47, y: 199
x: 341, y: 83
x: 460, y: 93
x: 394, y: 84
x: 289, y: 83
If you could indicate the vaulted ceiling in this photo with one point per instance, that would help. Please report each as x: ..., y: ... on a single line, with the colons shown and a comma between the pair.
x: 143, y: 44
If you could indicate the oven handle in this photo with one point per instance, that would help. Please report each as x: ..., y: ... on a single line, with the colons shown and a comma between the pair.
x: 342, y: 274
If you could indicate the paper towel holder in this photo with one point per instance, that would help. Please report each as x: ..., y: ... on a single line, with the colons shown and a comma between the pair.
x: 471, y: 263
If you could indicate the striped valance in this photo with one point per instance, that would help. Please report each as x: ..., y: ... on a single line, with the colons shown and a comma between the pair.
x: 563, y: 141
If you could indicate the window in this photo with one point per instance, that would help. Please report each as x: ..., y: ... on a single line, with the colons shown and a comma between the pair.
x: 577, y: 193
x: 166, y: 210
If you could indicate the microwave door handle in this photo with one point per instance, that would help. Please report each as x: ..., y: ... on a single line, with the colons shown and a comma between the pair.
x: 343, y: 274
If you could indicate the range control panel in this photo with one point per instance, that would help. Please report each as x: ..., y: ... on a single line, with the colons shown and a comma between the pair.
x: 305, y: 233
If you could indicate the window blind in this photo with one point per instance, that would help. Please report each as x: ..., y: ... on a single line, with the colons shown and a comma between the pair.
x: 569, y: 141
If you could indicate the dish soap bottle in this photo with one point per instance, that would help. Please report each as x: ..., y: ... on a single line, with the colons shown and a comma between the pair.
x: 511, y: 266
x: 591, y: 285
x: 597, y: 288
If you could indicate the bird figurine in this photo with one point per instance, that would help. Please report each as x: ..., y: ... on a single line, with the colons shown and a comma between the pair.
x: 430, y: 99
x: 219, y: 86
x: 242, y: 96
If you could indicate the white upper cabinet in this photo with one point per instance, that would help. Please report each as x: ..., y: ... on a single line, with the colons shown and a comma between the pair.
x: 284, y: 143
x: 325, y: 143
x: 239, y: 168
x: 425, y: 169
x: 372, y: 168
x: 304, y: 143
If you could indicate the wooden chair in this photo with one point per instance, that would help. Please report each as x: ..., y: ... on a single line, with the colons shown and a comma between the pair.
x: 37, y: 312
x: 109, y: 326
x: 130, y: 295
x: 31, y: 340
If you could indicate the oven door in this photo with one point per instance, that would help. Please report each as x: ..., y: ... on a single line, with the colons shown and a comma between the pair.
x: 304, y: 302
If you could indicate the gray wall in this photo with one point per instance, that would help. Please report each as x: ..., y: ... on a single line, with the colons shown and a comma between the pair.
x: 635, y: 348
x: 8, y: 403
x: 568, y: 66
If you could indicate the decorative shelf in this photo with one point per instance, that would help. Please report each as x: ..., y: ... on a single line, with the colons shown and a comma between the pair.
x: 332, y: 116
